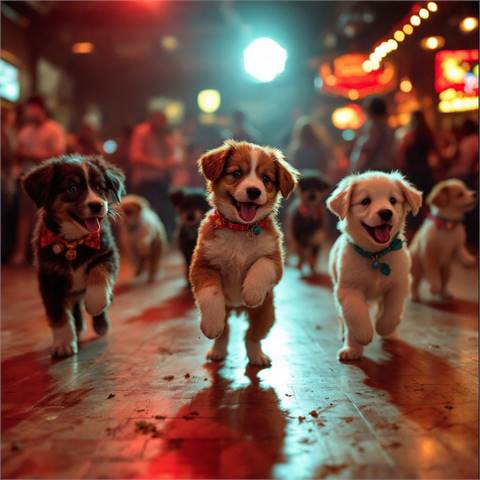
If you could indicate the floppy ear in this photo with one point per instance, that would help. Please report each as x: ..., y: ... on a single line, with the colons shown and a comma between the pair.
x: 37, y: 182
x: 438, y: 196
x: 287, y: 175
x: 412, y: 196
x: 176, y: 196
x: 339, y: 200
x: 211, y: 163
x: 114, y: 178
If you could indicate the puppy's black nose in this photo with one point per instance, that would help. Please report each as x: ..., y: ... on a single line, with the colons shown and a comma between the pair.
x: 95, y: 207
x: 385, y: 215
x: 253, y: 193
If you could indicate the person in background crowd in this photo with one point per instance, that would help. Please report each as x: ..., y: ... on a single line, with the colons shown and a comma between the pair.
x: 40, y: 138
x: 374, y: 145
x: 306, y: 150
x: 465, y: 166
x: 85, y: 141
x: 240, y: 131
x: 417, y: 152
x: 152, y: 159
x: 121, y: 157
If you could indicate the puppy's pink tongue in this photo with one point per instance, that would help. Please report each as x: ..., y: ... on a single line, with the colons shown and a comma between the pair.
x: 382, y: 233
x: 92, y: 224
x: 247, y: 211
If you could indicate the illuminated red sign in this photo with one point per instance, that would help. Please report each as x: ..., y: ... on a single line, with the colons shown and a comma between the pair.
x: 345, y: 76
x: 457, y: 69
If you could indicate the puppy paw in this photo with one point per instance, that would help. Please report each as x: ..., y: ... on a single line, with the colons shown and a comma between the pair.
x: 253, y: 294
x: 212, y: 312
x: 347, y: 353
x: 385, y: 327
x: 101, y: 324
x: 256, y: 356
x: 217, y: 353
x: 64, y: 341
x: 97, y: 299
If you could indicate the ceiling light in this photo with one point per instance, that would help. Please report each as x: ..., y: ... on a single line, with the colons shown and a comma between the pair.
x: 468, y: 24
x: 415, y: 20
x: 424, y: 13
x: 399, y: 36
x: 432, y: 43
x: 408, y: 29
x: 406, y: 85
x: 432, y: 6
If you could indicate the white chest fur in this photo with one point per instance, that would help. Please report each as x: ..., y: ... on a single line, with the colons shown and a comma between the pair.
x: 232, y: 253
x: 79, y: 279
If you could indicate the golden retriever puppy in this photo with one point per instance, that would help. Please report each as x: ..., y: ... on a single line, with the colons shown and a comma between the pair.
x: 239, y: 255
x: 145, y: 235
x: 369, y: 262
x: 441, y: 238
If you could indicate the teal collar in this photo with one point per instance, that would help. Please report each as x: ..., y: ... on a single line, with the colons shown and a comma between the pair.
x: 384, y: 268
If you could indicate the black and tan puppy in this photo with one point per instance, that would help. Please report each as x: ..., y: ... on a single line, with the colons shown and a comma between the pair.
x: 305, y: 219
x: 191, y: 205
x: 75, y: 254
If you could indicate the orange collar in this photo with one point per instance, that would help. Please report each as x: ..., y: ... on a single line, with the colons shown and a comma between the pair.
x: 443, y: 223
x: 218, y: 221
x: 59, y: 244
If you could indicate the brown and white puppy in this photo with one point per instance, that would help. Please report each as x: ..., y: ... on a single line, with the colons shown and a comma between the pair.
x: 441, y: 238
x: 305, y: 219
x: 145, y: 235
x: 369, y: 261
x: 75, y: 254
x: 239, y: 256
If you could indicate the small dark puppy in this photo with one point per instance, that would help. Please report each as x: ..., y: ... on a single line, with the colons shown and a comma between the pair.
x: 74, y: 251
x: 305, y: 219
x: 191, y: 205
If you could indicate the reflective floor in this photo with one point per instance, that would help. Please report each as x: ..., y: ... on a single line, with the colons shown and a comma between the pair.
x: 143, y: 403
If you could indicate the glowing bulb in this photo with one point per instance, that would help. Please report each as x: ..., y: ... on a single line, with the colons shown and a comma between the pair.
x: 432, y: 6
x: 406, y: 85
x: 399, y: 36
x: 415, y: 20
x: 408, y: 29
x: 432, y: 43
x: 209, y: 100
x: 392, y: 44
x: 468, y: 24
x: 424, y: 13
x: 367, y: 65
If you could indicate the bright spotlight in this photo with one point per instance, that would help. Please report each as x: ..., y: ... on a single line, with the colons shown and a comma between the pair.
x: 209, y: 100
x: 264, y: 59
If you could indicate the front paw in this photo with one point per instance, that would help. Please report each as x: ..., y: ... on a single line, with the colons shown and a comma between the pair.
x: 97, y: 300
x: 347, y: 353
x: 212, y: 312
x: 253, y: 295
x: 217, y: 353
x: 256, y: 356
x: 64, y: 342
x: 386, y: 326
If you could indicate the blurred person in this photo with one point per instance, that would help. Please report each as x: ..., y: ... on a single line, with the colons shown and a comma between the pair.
x: 85, y: 141
x: 121, y: 157
x: 39, y: 139
x: 374, y: 145
x: 240, y: 130
x: 152, y: 159
x: 465, y: 165
x: 417, y: 152
x: 307, y: 151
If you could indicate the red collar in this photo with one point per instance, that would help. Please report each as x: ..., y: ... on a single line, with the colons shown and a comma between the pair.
x: 305, y: 212
x: 443, y: 223
x: 59, y: 244
x: 218, y: 221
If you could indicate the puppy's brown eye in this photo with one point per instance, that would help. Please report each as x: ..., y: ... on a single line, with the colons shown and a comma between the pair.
x: 72, y: 189
x: 236, y: 174
x: 393, y: 200
x: 266, y: 179
x: 365, y: 201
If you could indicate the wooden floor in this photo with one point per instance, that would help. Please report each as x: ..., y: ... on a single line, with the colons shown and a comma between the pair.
x: 143, y: 403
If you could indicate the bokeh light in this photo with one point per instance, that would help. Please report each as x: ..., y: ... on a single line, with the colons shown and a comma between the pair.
x: 264, y: 59
x: 209, y: 100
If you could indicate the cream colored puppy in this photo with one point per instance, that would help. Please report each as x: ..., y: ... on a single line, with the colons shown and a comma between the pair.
x: 145, y: 235
x: 369, y: 262
x: 441, y: 238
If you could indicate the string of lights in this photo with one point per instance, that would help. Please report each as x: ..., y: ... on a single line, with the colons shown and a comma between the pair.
x: 417, y: 15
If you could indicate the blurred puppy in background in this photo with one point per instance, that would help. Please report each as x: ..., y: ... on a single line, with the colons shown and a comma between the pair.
x: 239, y: 254
x: 305, y: 219
x: 74, y: 251
x: 441, y: 238
x: 191, y: 206
x: 144, y: 234
x: 369, y: 261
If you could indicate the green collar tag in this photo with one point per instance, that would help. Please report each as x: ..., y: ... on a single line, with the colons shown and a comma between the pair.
x: 384, y: 268
x: 256, y: 229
